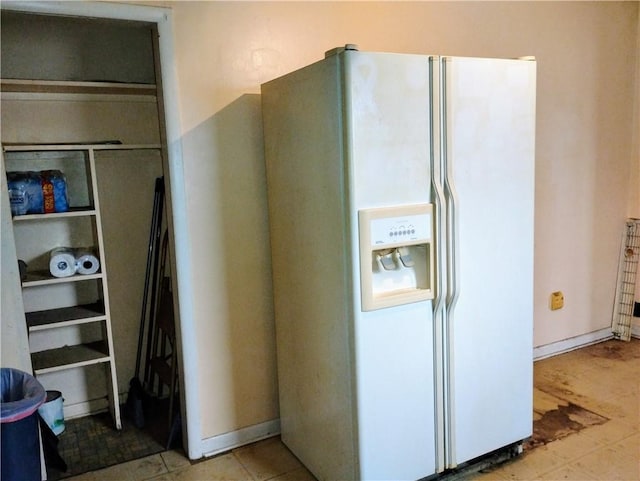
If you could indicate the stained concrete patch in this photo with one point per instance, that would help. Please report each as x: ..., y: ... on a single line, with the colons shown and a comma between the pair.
x: 556, y: 418
x: 616, y: 350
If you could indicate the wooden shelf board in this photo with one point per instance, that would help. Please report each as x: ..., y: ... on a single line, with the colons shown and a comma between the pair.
x: 72, y: 212
x: 68, y: 357
x: 65, y: 316
x: 44, y: 278
x: 9, y: 147
x: 74, y: 87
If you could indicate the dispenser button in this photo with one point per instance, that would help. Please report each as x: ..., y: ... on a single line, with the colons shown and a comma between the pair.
x: 387, y: 261
x: 405, y: 257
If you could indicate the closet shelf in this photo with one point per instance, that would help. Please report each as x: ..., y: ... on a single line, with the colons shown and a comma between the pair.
x: 65, y: 316
x: 9, y: 147
x: 74, y: 87
x: 72, y: 212
x: 44, y: 278
x: 68, y: 357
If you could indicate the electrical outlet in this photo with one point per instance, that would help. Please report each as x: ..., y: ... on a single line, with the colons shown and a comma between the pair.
x: 557, y: 300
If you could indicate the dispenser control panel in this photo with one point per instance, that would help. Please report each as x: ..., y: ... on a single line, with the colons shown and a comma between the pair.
x: 400, y: 230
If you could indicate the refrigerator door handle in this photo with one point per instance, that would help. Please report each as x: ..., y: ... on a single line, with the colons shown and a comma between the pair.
x: 450, y: 234
x: 440, y: 251
x: 439, y: 313
x: 453, y: 284
x: 439, y: 199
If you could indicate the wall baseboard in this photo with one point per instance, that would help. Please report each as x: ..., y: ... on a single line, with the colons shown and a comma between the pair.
x: 583, y: 340
x: 227, y: 441
x: 572, y: 343
x: 209, y: 447
x: 88, y: 408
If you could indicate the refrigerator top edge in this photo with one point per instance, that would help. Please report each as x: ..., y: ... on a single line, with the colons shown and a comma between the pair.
x: 351, y: 49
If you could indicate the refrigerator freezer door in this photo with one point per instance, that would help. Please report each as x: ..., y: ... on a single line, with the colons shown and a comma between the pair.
x: 388, y: 121
x: 490, y: 127
x: 387, y: 127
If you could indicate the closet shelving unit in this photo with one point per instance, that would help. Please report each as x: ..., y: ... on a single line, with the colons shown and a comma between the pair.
x: 94, y: 351
x: 81, y: 158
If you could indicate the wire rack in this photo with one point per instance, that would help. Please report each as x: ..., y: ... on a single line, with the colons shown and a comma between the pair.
x: 627, y: 273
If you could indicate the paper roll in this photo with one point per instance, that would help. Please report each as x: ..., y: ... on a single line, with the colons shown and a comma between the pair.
x: 86, y: 262
x: 62, y: 262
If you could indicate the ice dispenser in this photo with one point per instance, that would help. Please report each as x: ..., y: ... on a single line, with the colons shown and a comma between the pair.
x: 396, y: 255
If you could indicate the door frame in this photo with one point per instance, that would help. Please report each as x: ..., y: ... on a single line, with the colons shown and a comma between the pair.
x: 162, y: 18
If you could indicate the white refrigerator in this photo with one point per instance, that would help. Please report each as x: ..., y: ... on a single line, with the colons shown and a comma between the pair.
x: 401, y: 197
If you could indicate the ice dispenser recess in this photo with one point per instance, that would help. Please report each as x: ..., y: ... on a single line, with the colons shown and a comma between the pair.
x: 396, y: 255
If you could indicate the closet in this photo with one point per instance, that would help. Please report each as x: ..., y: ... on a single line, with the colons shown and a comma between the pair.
x: 81, y: 97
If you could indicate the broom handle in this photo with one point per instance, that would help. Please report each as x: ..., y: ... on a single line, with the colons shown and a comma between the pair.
x: 154, y: 284
x: 152, y: 235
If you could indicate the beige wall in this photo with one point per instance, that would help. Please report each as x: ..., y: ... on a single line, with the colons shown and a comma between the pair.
x: 634, y: 193
x: 587, y: 170
x: 587, y: 167
x: 634, y: 168
x: 586, y: 56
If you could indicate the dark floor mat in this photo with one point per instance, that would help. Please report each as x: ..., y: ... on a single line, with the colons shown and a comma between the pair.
x: 92, y: 442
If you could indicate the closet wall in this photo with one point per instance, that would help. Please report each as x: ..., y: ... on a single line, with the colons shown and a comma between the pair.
x: 72, y: 80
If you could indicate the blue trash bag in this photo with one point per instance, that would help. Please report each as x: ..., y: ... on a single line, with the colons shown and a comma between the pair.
x: 20, y: 397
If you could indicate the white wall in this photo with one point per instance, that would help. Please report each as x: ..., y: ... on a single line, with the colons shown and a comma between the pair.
x: 225, y: 50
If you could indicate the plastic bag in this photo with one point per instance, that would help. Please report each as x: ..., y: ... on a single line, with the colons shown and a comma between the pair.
x: 37, y: 192
x: 21, y: 395
x: 54, y: 190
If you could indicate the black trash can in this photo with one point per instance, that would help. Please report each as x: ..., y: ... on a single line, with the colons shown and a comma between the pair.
x: 20, y: 397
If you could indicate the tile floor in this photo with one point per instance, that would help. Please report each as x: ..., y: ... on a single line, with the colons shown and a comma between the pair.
x: 601, y: 443
x: 604, y: 379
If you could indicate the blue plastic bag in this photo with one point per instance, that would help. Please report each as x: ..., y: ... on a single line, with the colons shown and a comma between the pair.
x: 25, y: 193
x: 29, y: 191
x: 20, y: 396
